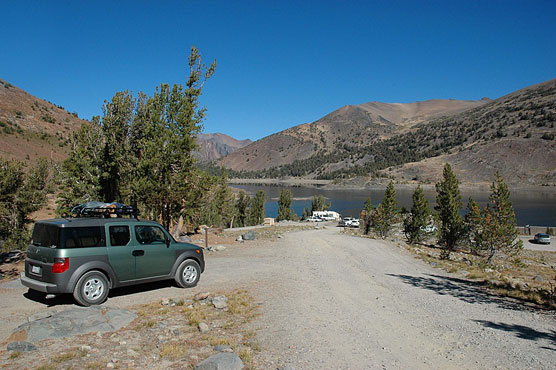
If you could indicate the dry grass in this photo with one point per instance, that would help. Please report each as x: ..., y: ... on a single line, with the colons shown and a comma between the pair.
x: 174, y: 350
x: 529, y: 277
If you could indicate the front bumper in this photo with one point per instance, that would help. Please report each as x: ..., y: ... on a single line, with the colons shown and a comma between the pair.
x: 39, y: 285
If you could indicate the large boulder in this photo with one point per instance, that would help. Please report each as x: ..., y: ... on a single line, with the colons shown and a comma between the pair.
x: 75, y: 321
x: 250, y: 235
x: 221, y: 361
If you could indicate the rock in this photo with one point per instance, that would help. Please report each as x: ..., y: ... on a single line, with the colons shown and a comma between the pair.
x: 239, y: 239
x: 539, y: 278
x: 221, y: 361
x: 185, y: 239
x: 85, y: 348
x: 222, y: 348
x: 165, y: 302
x: 75, y: 321
x: 110, y: 365
x: 487, y: 270
x: 200, y: 296
x: 219, y: 248
x: 21, y: 347
x: 203, y: 327
x: 249, y: 235
x: 220, y: 302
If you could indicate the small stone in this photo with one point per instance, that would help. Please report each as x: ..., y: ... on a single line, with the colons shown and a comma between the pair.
x: 220, y: 302
x: 203, y: 327
x: 222, y: 360
x: 539, y: 278
x: 222, y: 348
x: 487, y: 270
x: 21, y: 347
x: 123, y: 343
x: 165, y: 302
x: 200, y: 296
x: 239, y: 239
x: 110, y: 365
x: 249, y: 235
x: 219, y: 248
x: 85, y: 348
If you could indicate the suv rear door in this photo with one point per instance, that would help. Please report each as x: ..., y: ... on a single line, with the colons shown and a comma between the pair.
x: 120, y: 250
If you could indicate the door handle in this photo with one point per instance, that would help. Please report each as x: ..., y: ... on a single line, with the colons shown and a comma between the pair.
x: 138, y: 252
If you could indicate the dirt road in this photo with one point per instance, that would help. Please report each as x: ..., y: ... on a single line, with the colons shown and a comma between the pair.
x: 331, y: 301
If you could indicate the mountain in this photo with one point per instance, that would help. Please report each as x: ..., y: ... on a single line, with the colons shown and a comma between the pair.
x: 215, y: 146
x: 31, y: 127
x: 513, y: 134
x: 348, y: 128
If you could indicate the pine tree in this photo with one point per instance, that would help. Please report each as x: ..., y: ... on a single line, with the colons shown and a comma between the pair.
x: 21, y: 194
x: 242, y: 208
x: 474, y: 226
x: 257, y: 211
x: 448, y: 200
x: 418, y: 218
x: 366, y: 216
x: 499, y: 223
x: 284, y: 206
x: 384, y: 216
x: 319, y: 204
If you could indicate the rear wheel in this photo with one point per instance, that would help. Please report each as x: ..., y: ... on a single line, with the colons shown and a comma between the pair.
x: 91, y: 289
x: 188, y: 274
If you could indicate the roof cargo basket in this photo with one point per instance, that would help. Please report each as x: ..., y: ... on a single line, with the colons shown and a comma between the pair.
x: 104, y: 210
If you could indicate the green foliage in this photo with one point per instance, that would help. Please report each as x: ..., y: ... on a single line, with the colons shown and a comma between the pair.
x: 474, y: 226
x: 448, y: 200
x: 141, y: 154
x: 418, y: 218
x: 366, y: 216
x: 319, y: 204
x: 257, y: 211
x: 284, y: 206
x: 385, y: 214
x: 242, y: 209
x: 20, y: 195
x: 499, y: 223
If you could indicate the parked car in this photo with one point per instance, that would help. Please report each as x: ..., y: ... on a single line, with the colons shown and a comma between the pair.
x: 429, y: 229
x: 346, y: 221
x: 314, y: 219
x: 90, y: 254
x: 542, y: 238
x: 354, y: 222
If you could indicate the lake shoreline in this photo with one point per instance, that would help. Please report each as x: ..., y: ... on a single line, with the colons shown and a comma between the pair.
x: 376, y: 184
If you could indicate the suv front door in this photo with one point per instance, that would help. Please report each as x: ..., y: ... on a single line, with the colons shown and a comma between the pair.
x: 157, y: 255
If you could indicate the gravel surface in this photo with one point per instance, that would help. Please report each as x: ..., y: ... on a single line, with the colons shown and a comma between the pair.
x: 332, y: 301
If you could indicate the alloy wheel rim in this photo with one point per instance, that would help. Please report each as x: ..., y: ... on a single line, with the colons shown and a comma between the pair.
x: 189, y: 274
x: 93, y: 289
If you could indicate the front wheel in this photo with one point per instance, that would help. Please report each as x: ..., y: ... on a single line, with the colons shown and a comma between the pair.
x: 91, y: 289
x: 188, y: 274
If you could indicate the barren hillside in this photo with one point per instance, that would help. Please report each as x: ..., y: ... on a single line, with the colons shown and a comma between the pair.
x: 31, y: 127
x: 217, y: 145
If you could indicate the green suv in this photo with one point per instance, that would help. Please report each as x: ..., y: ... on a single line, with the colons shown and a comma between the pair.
x: 100, y: 250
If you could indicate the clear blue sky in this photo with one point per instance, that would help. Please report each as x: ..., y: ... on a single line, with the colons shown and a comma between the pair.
x: 280, y: 63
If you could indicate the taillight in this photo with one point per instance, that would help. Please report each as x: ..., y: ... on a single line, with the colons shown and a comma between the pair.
x: 60, y: 265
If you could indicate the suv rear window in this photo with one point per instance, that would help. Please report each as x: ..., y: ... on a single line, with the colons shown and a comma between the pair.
x: 83, y: 237
x: 45, y: 235
x: 119, y: 235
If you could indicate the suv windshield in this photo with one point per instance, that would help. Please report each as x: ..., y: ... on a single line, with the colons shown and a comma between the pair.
x: 45, y: 235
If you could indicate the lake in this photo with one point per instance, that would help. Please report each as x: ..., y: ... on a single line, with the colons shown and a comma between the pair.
x: 532, y: 206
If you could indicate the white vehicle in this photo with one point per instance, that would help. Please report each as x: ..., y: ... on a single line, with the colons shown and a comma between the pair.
x: 327, y: 215
x: 354, y: 222
x: 314, y: 219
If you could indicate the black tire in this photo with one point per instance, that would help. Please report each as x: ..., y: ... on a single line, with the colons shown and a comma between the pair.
x: 188, y: 274
x: 91, y: 289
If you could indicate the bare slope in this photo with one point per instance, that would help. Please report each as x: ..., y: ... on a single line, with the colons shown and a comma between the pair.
x: 351, y: 126
x: 217, y: 145
x: 32, y: 127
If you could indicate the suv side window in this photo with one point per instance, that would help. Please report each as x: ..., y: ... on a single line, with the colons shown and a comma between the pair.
x: 149, y: 235
x: 83, y: 237
x: 119, y: 235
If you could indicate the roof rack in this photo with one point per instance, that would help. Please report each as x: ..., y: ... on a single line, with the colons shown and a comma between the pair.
x: 104, y: 211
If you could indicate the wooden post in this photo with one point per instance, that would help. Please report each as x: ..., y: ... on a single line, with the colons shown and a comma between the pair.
x: 206, y: 238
